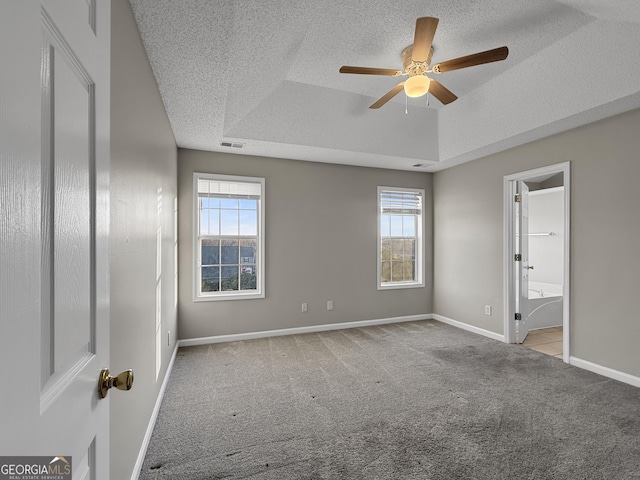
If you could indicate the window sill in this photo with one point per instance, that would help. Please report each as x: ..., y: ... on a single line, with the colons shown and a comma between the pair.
x: 397, y: 286
x: 228, y: 296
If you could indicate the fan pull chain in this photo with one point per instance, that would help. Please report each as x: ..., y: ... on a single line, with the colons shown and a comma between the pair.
x: 406, y: 105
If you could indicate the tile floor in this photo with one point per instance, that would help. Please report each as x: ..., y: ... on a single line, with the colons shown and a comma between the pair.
x: 545, y: 340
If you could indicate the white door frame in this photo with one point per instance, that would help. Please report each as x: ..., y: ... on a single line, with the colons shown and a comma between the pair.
x: 509, y: 188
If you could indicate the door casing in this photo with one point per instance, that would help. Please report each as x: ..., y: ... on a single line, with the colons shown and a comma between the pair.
x: 509, y: 189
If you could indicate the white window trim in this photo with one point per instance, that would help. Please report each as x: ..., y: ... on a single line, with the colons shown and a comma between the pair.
x: 419, y: 283
x: 196, y: 261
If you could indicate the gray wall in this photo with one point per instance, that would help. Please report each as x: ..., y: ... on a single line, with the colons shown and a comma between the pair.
x: 321, y: 224
x: 605, y: 227
x: 144, y: 157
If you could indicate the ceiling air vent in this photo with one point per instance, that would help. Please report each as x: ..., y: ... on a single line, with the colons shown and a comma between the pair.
x: 231, y: 144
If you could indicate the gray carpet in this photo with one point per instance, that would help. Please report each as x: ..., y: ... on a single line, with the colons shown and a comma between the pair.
x: 419, y: 400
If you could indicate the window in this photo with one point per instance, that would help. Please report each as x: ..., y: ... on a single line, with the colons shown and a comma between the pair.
x: 229, y: 239
x: 400, y: 232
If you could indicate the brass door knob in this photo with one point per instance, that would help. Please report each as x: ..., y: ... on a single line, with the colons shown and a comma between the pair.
x: 123, y: 381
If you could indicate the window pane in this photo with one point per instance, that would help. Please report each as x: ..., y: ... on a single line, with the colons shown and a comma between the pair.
x: 397, y: 272
x: 210, y: 252
x: 214, y: 221
x: 229, y: 222
x: 409, y: 271
x: 396, y: 225
x: 231, y: 203
x: 409, y: 226
x: 247, y: 204
x: 248, y: 277
x: 248, y: 222
x: 385, y: 249
x: 397, y: 249
x: 409, y: 248
x: 210, y: 202
x: 204, y: 222
x: 210, y: 280
x: 385, y: 275
x: 209, y: 222
x: 248, y: 250
x: 385, y: 225
x: 229, y: 278
x: 229, y: 252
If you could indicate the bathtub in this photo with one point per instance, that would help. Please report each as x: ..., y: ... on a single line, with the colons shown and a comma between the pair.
x: 544, y: 290
x: 545, y: 305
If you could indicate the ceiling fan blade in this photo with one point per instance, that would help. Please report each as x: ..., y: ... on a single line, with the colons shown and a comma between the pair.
x: 388, y: 96
x: 489, y: 56
x: 423, y: 38
x: 370, y: 71
x: 440, y: 92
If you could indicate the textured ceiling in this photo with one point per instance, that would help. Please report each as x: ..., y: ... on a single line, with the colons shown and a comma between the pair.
x: 264, y: 73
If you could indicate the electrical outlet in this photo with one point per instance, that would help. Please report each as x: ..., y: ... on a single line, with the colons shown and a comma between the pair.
x: 304, y: 307
x: 487, y: 310
x: 329, y: 304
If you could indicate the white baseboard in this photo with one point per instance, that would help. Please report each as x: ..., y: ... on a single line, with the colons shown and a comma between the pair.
x: 298, y: 330
x: 605, y: 371
x: 154, y: 416
x: 470, y: 328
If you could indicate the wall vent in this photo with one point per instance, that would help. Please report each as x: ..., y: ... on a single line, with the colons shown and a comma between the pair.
x: 232, y: 144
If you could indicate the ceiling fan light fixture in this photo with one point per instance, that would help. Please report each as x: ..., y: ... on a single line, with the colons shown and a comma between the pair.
x: 416, y: 59
x: 416, y: 86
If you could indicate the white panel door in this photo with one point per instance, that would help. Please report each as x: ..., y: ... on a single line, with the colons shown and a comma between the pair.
x: 523, y: 275
x: 54, y: 124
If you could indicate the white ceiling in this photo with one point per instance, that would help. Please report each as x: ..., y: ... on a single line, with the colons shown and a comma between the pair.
x: 264, y: 73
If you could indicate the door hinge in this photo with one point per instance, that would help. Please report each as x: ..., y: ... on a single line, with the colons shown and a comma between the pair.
x: 518, y: 257
x: 518, y: 316
x: 518, y: 198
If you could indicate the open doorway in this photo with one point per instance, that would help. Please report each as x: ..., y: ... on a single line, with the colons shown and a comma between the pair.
x: 536, y: 260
